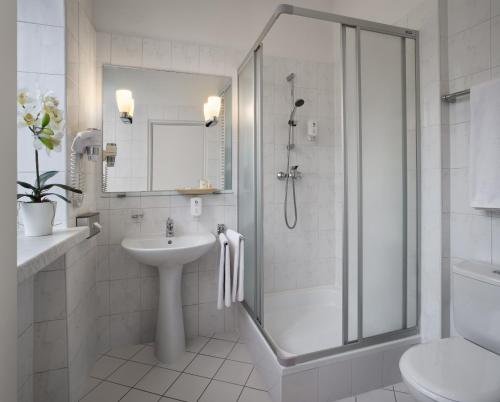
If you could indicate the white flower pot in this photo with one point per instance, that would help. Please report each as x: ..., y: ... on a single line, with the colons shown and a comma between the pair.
x: 38, y: 217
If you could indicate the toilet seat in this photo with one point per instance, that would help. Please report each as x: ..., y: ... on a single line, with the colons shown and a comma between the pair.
x: 454, y: 370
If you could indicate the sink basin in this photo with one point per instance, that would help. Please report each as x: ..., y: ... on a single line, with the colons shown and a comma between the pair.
x: 169, y: 254
x: 157, y: 250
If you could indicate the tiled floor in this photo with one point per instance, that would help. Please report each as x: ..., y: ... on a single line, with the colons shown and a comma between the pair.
x: 396, y: 393
x: 216, y: 369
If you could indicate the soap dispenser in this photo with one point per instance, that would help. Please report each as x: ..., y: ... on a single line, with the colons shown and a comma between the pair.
x: 196, y: 207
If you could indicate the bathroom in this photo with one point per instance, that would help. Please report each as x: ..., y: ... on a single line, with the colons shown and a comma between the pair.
x: 250, y: 201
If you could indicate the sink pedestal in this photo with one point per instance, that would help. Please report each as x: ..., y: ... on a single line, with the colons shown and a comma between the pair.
x: 170, y: 338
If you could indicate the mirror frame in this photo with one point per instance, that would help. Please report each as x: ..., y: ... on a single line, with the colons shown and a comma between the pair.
x: 123, y: 194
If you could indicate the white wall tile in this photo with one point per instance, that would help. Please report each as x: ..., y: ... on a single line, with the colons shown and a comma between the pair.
x: 125, y: 329
x: 124, y: 296
x: 334, y: 381
x: 126, y: 50
x: 41, y: 48
x: 367, y: 372
x: 51, y: 386
x: 103, y: 49
x: 464, y: 14
x: 471, y: 237
x: 157, y: 54
x: 301, y: 387
x: 48, y: 12
x: 185, y: 56
x: 50, y: 295
x: 495, y: 41
x: 50, y: 340
x: 469, y: 51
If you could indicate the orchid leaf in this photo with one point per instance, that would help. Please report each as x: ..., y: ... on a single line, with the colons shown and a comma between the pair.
x: 26, y: 185
x: 46, y: 176
x: 31, y: 197
x: 57, y: 195
x: 63, y: 186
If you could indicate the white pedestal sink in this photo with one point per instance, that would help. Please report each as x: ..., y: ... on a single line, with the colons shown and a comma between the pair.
x: 169, y: 254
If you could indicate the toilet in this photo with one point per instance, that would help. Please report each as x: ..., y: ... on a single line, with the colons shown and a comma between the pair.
x: 464, y: 368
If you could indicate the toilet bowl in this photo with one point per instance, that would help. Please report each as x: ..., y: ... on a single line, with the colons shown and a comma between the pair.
x: 464, y: 368
x: 451, y: 370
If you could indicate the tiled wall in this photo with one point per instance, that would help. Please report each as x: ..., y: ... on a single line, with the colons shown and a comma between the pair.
x: 306, y: 256
x: 80, y: 93
x: 41, y: 67
x: 56, y: 328
x: 127, y: 291
x: 473, y: 40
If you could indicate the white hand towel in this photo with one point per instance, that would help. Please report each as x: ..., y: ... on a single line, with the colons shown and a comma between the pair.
x: 227, y: 275
x: 236, y: 243
x: 224, y: 247
x: 484, y: 156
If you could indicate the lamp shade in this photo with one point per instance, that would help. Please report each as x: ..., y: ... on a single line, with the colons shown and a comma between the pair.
x: 214, y: 103
x: 124, y: 101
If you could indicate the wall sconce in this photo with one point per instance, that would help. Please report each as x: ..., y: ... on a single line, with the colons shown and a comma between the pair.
x: 211, y: 110
x: 126, y: 105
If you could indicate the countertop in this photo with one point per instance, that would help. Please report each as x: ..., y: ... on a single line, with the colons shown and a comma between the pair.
x: 35, y: 253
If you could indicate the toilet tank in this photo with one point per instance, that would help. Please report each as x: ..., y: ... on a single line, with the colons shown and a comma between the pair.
x: 476, y: 303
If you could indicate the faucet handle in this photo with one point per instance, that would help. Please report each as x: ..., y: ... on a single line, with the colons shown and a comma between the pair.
x: 170, y: 221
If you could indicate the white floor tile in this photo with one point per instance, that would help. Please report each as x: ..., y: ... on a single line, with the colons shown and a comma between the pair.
x: 379, y: 395
x: 139, y: 396
x: 90, y: 385
x: 240, y: 353
x: 401, y: 387
x: 256, y: 381
x: 181, y: 363
x: 105, y: 366
x: 217, y: 348
x: 126, y: 352
x: 168, y: 400
x: 350, y: 399
x: 231, y: 336
x: 106, y: 392
x: 129, y: 374
x: 221, y: 392
x: 205, y: 366
x: 188, y: 388
x: 196, y: 344
x: 234, y: 372
x: 146, y: 356
x: 254, y: 395
x: 157, y: 380
x: 401, y: 397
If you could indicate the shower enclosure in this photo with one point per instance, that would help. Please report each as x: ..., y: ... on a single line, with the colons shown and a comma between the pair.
x: 346, y: 275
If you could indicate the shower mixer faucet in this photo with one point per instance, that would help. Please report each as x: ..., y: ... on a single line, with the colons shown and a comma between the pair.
x: 293, y: 174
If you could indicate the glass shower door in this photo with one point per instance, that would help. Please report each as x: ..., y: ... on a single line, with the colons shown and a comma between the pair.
x: 248, y: 181
x: 381, y: 194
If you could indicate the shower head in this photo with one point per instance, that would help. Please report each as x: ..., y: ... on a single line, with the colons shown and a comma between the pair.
x: 298, y: 103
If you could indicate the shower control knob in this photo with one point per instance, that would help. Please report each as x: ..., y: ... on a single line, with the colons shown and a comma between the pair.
x: 281, y: 175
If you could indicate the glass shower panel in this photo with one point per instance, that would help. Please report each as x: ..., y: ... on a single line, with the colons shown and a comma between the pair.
x: 382, y: 178
x: 247, y: 178
x: 411, y: 184
x: 351, y: 143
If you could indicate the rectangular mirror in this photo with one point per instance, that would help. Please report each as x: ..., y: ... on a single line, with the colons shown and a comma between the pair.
x: 156, y: 136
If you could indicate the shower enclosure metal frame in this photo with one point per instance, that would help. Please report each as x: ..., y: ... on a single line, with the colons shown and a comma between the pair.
x: 255, y: 56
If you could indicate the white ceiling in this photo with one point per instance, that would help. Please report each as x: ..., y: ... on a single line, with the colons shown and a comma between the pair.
x: 230, y: 23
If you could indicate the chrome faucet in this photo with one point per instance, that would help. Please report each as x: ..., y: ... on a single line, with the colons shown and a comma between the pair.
x: 169, y: 232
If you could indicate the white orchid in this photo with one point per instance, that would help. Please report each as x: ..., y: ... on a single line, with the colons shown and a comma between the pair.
x: 42, y: 116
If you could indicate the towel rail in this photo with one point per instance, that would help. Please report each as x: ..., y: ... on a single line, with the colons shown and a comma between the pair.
x: 221, y: 228
x: 452, y: 98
